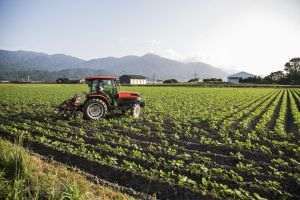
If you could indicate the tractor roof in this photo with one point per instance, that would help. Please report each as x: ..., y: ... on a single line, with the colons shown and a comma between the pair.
x: 91, y: 78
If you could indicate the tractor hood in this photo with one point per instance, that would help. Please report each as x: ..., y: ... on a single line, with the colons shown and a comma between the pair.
x: 128, y: 95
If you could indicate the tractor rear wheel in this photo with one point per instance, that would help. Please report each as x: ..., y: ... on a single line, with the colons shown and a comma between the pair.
x: 136, y: 110
x: 94, y: 109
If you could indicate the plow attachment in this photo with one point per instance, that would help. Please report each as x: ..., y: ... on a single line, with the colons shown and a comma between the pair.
x: 70, y: 108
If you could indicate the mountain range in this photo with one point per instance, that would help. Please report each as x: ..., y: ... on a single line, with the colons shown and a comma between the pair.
x: 16, y: 65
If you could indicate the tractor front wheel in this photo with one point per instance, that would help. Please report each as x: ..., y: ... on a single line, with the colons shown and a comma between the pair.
x: 94, y: 109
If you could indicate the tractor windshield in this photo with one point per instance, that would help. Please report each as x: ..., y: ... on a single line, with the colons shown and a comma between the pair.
x: 106, y: 86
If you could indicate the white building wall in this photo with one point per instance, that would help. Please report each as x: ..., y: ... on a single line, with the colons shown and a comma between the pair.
x: 231, y: 80
x: 138, y: 81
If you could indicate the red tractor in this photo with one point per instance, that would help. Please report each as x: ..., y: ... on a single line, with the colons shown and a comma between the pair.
x: 103, y: 98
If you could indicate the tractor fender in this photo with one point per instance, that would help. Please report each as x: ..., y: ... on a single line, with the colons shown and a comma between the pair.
x: 132, y: 103
x: 98, y: 96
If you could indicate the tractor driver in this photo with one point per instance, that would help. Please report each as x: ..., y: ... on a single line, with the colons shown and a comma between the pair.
x: 99, y: 86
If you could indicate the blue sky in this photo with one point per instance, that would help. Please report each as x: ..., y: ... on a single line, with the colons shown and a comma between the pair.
x: 257, y: 36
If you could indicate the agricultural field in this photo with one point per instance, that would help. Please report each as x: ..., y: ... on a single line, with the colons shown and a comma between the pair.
x: 190, y: 143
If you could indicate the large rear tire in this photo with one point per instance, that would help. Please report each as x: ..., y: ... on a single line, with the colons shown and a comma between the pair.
x: 95, y: 109
x: 136, y: 110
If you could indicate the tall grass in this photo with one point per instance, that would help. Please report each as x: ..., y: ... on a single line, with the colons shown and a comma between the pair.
x: 14, y: 172
x: 21, y: 179
x: 23, y: 176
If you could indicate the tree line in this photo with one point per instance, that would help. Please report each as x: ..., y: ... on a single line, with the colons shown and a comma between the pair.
x: 289, y: 76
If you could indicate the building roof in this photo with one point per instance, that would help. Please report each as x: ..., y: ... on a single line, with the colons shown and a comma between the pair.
x: 100, y: 78
x: 132, y: 76
x: 240, y: 75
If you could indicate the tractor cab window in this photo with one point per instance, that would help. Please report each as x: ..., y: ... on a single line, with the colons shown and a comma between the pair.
x: 92, y: 85
x: 100, y: 85
x: 106, y: 84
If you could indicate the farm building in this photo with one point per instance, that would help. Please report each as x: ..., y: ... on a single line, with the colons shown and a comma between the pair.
x: 235, y: 78
x: 133, y: 79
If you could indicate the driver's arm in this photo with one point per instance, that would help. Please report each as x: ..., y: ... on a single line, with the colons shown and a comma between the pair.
x: 99, y: 86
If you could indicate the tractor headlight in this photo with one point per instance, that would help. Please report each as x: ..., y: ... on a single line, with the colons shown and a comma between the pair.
x: 139, y: 99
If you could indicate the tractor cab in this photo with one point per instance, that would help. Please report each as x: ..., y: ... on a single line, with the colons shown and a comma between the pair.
x: 103, y: 85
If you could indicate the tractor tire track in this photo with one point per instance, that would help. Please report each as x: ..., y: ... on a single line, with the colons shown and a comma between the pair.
x: 256, y: 119
x: 272, y: 122
x: 296, y: 96
x: 289, y: 123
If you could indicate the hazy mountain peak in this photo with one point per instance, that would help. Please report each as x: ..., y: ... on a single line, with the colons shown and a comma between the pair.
x: 151, y: 55
x: 149, y: 65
